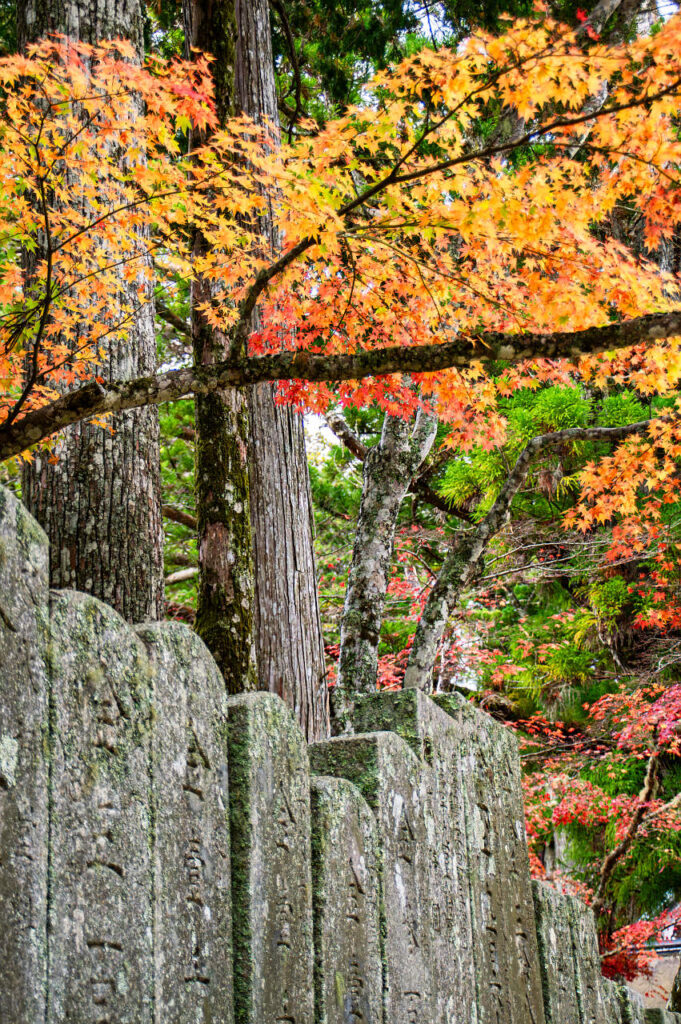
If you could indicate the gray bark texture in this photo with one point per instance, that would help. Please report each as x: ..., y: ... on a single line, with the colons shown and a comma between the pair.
x: 289, y: 646
x: 387, y: 475
x: 100, y: 503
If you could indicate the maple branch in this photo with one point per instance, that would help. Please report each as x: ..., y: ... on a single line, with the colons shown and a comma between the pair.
x: 95, y: 399
x: 393, y: 177
x: 610, y: 862
x: 177, y: 516
x: 464, y: 563
x: 181, y: 575
x: 165, y: 313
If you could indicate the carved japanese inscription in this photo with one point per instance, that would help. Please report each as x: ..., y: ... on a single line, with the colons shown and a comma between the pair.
x: 192, y: 890
x: 505, y: 951
x: 23, y: 764
x: 395, y: 785
x: 272, y: 889
x: 100, y: 916
x: 485, y: 958
x: 348, y: 976
x: 574, y: 989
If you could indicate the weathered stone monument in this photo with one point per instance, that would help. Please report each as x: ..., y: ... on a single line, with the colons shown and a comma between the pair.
x: 191, y: 848
x: 24, y: 734
x: 171, y: 856
x: 271, y: 863
x: 100, y: 895
x: 347, y: 904
x: 388, y: 776
x: 483, y: 935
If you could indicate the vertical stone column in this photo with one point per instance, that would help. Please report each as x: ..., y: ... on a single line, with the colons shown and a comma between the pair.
x: 271, y: 880
x: 571, y: 969
x: 23, y: 764
x: 484, y: 940
x: 191, y: 862
x: 100, y: 917
x: 621, y: 1004
x: 346, y: 893
x: 391, y: 780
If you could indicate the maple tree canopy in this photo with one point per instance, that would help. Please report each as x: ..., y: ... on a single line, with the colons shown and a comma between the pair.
x: 414, y: 248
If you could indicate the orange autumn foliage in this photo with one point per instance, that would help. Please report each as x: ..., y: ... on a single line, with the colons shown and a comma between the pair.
x: 399, y: 223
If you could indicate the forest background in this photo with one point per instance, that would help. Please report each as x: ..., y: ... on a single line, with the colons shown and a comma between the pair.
x: 529, y: 551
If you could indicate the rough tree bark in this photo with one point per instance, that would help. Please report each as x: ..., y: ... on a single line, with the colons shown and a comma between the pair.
x: 257, y: 592
x: 290, y: 651
x: 388, y: 471
x: 464, y: 562
x: 100, y: 503
x: 224, y: 614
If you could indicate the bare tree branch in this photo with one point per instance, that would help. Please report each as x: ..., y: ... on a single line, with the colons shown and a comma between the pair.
x: 611, y: 861
x: 173, y: 319
x: 182, y: 575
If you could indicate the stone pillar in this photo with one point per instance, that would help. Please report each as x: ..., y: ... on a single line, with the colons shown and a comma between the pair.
x: 484, y: 940
x: 655, y: 1016
x: 391, y: 780
x: 622, y: 1005
x: 571, y: 967
x: 191, y: 869
x: 100, y: 918
x: 675, y: 994
x: 23, y: 764
x: 271, y: 880
x: 346, y: 893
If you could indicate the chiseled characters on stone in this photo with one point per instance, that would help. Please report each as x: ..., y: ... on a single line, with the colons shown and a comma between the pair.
x: 192, y: 883
x: 346, y: 895
x: 23, y: 764
x: 485, y: 957
x: 101, y: 832
x: 269, y: 791
x: 505, y: 941
x: 574, y: 989
x: 393, y: 783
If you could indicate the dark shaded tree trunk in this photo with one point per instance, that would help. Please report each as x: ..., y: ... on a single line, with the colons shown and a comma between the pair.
x: 100, y: 503
x: 387, y: 475
x: 290, y: 651
x: 225, y: 606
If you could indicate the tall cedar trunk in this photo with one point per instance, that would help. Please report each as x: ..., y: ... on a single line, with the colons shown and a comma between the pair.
x: 290, y: 652
x: 224, y: 616
x: 387, y: 474
x: 100, y: 503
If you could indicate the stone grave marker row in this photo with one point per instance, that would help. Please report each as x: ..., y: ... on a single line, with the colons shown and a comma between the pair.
x: 392, y: 887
